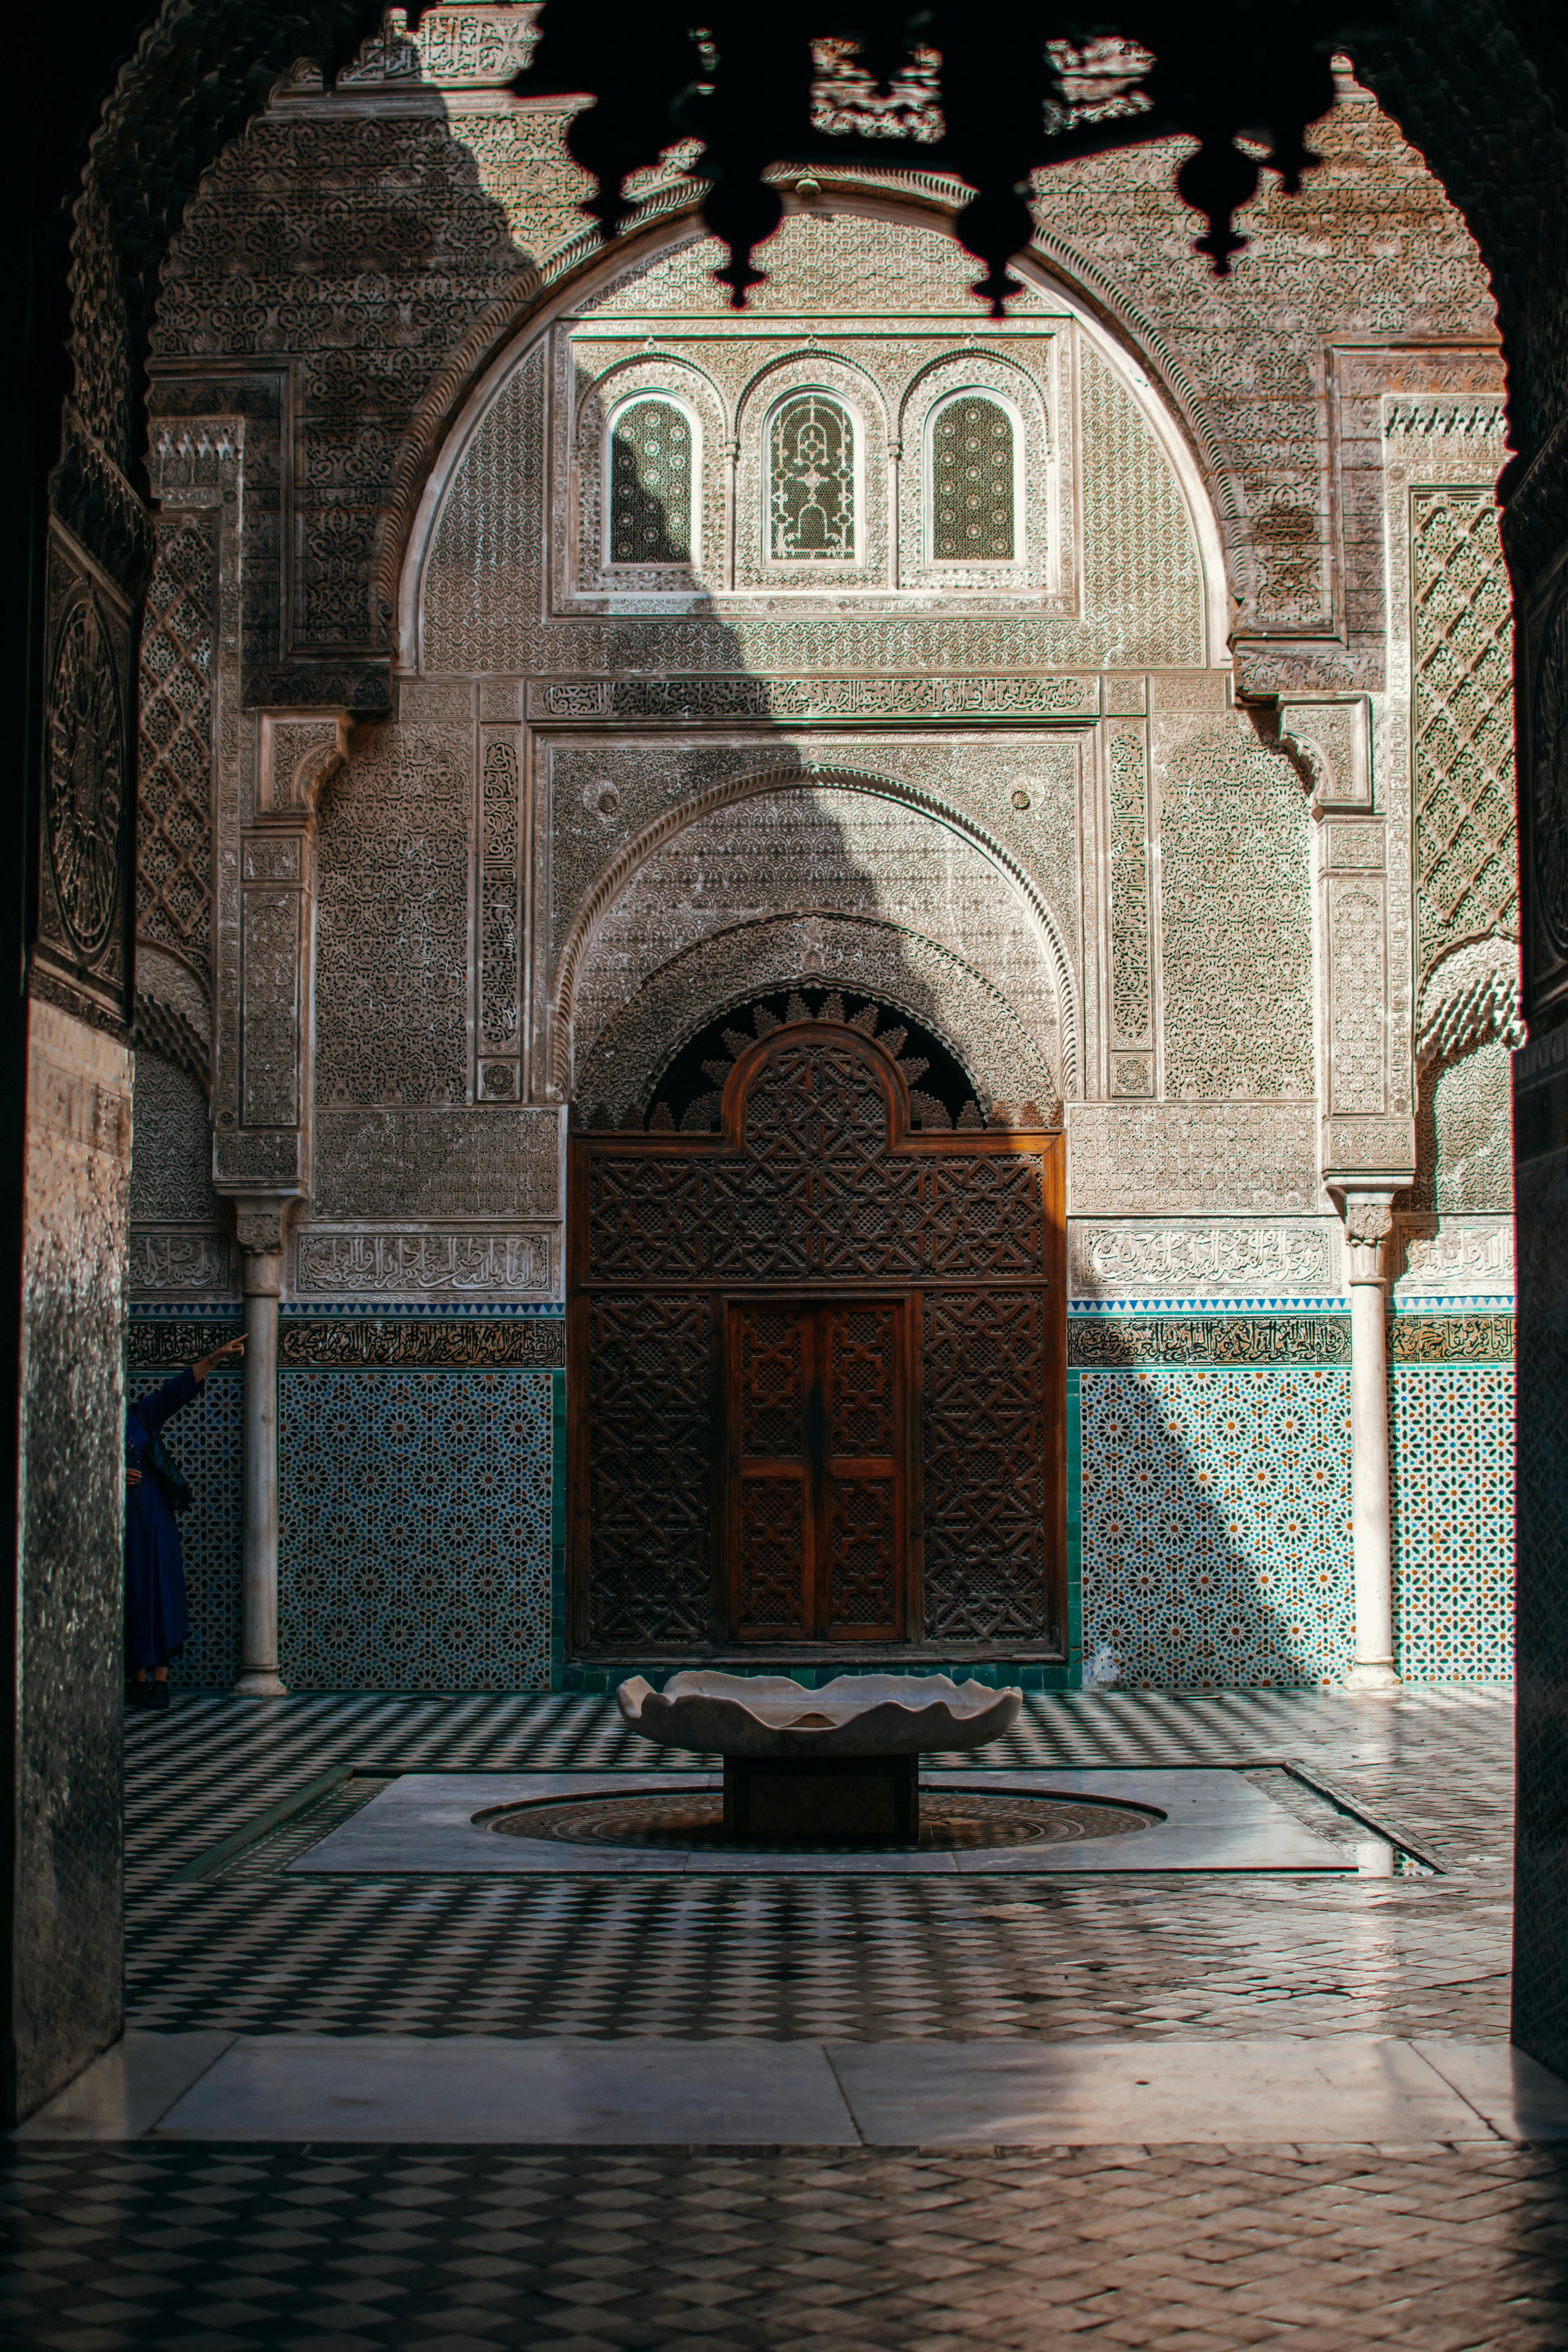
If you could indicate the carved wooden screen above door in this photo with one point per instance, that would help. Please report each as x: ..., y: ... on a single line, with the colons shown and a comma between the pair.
x: 816, y: 1219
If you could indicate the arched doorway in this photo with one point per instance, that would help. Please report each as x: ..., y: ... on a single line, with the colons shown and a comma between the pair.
x: 817, y: 1364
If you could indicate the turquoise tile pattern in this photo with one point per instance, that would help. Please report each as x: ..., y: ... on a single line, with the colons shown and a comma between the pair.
x: 1451, y: 1436
x: 415, y: 1512
x: 1216, y: 1526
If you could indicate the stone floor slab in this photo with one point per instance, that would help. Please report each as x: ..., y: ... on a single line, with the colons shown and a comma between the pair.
x: 128, y: 2089
x: 1520, y: 2099
x: 474, y: 2091
x: 1230, y: 2094
x: 424, y: 1823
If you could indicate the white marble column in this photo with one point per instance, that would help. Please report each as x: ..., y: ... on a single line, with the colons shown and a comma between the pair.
x: 1368, y: 1221
x: 261, y: 1271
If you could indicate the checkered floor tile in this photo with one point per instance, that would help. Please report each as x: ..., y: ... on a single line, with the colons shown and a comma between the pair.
x: 851, y: 1958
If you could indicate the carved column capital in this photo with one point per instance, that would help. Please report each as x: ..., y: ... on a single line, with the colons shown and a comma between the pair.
x: 1369, y: 1220
x: 259, y: 1226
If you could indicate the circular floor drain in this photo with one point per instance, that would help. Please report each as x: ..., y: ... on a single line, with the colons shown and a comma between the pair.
x: 951, y: 1820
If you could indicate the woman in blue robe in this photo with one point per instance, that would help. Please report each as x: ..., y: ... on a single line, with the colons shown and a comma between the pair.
x: 156, y: 1621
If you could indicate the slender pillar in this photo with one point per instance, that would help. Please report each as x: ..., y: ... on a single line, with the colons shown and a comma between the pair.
x: 1368, y: 1221
x: 260, y: 1275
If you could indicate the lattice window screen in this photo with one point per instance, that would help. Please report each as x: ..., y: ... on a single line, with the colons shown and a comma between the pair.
x: 650, y: 485
x: 812, y: 480
x: 971, y: 483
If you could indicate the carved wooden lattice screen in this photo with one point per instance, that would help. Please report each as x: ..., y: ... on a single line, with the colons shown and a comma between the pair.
x: 815, y: 1227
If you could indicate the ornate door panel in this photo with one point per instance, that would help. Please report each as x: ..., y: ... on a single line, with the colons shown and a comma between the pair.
x: 816, y: 1518
x: 771, y: 1522
x: 816, y: 1391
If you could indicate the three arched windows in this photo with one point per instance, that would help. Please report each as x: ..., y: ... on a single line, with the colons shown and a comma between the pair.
x: 811, y: 482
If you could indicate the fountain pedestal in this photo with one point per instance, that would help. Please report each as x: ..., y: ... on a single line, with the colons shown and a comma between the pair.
x: 796, y: 1797
x: 840, y: 1761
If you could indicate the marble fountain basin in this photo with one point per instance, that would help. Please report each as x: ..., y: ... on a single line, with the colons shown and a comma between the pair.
x: 853, y: 1716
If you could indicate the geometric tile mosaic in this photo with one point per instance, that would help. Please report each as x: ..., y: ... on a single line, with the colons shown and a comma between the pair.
x: 413, y: 1529
x: 1217, y: 1526
x: 207, y: 1441
x: 857, y: 1957
x: 1450, y: 1437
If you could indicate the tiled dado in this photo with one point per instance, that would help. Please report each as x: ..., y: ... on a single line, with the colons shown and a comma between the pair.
x: 207, y: 1443
x: 1450, y: 1436
x: 415, y: 1534
x: 419, y: 1512
x: 1213, y: 1496
x: 1216, y: 1524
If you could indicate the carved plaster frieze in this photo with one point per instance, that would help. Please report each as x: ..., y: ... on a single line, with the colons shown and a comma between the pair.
x: 1203, y: 1257
x: 1239, y: 1159
x: 426, y: 1264
x: 498, y: 1161
x: 1065, y: 695
x: 173, y: 1262
x: 1438, y: 1256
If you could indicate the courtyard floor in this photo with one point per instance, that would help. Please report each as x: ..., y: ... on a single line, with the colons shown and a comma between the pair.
x: 1445, y: 2225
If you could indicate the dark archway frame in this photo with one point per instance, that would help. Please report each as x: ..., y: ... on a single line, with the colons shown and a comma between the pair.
x: 1478, y: 86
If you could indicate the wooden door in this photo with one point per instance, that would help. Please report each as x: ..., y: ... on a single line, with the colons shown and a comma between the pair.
x: 818, y: 1493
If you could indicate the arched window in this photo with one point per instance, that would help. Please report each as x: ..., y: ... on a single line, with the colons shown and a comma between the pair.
x: 650, y: 484
x: 971, y: 482
x: 811, y: 480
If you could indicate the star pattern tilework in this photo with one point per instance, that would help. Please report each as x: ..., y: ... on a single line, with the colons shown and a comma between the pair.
x: 208, y: 1442
x: 1450, y: 1437
x: 1216, y: 1514
x: 413, y: 1529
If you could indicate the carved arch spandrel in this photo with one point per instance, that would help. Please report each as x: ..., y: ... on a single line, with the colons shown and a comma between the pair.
x: 858, y: 955
x: 618, y: 876
x: 453, y: 405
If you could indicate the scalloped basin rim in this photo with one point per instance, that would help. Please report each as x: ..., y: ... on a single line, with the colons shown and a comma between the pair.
x: 853, y: 1715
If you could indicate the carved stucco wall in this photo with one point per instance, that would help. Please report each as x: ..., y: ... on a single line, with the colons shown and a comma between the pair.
x: 393, y: 844
x: 1236, y: 918
x: 449, y: 213
x: 868, y: 890
x: 876, y: 311
x: 1125, y: 909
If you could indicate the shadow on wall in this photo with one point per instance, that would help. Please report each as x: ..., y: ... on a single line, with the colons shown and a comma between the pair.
x: 1215, y: 1504
x: 1196, y: 1566
x: 1215, y: 1524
